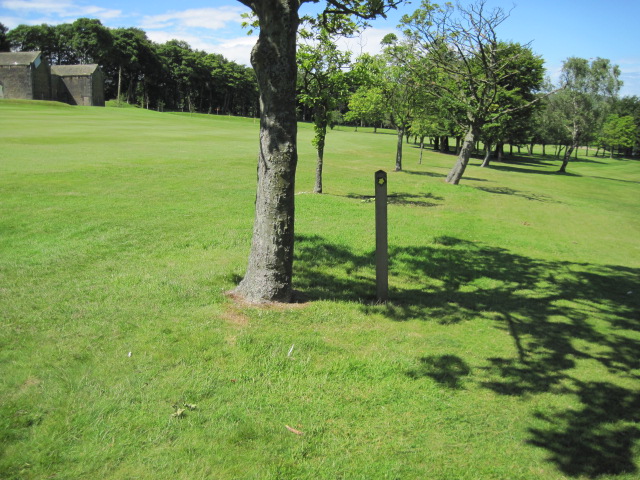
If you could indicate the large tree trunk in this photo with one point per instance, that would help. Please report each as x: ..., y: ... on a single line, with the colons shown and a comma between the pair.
x: 399, y: 149
x: 269, y: 271
x: 463, y: 158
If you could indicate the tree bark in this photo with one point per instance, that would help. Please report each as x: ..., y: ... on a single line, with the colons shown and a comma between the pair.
x: 487, y: 155
x: 320, y: 160
x: 399, y: 149
x: 119, y: 82
x: 575, y: 143
x: 463, y: 158
x: 269, y: 271
x: 565, y: 159
x: 444, y: 144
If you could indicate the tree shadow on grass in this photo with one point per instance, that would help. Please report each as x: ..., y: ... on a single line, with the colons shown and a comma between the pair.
x: 598, y: 438
x: 615, y: 179
x: 441, y: 175
x: 518, y: 193
x: 526, y: 162
x: 557, y: 314
x: 519, y: 169
x: 404, y: 199
x: 447, y: 370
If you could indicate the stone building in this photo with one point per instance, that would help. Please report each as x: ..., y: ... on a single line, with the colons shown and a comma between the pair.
x: 24, y: 75
x: 78, y: 84
x: 27, y: 75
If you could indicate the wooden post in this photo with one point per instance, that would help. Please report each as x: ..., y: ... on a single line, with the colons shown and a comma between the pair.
x: 382, y: 255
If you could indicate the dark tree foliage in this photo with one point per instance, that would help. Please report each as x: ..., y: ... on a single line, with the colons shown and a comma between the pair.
x: 630, y: 106
x: 4, y: 42
x: 169, y: 76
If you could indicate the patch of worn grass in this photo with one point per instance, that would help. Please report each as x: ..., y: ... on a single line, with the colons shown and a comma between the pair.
x: 508, y: 350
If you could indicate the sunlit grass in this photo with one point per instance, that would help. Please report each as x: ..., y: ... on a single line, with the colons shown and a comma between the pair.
x: 509, y: 349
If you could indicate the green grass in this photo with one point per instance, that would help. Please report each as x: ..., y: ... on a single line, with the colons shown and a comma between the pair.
x: 509, y: 349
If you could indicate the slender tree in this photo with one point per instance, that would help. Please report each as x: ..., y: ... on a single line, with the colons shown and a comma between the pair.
x: 401, y: 90
x: 322, y: 86
x: 589, y: 89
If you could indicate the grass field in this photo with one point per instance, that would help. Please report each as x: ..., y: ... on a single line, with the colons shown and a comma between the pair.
x: 510, y: 349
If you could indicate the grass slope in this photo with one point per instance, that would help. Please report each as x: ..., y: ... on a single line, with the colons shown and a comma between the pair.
x: 509, y: 350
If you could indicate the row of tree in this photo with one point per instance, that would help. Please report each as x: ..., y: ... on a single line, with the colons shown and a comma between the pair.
x: 450, y: 76
x: 171, y: 75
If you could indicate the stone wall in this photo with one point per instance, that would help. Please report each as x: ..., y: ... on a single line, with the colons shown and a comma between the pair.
x: 42, y: 81
x: 16, y: 81
x: 29, y: 82
x: 78, y: 85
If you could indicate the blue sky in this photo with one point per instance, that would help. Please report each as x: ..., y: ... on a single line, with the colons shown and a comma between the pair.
x: 557, y: 29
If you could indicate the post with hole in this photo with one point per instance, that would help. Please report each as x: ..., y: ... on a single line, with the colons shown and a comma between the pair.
x: 382, y: 254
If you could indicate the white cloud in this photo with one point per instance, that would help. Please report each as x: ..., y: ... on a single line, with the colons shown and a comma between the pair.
x: 237, y: 49
x: 57, y: 10
x: 11, y: 22
x: 630, y: 75
x: 367, y: 42
x: 39, y: 6
x: 208, y: 18
x: 203, y: 29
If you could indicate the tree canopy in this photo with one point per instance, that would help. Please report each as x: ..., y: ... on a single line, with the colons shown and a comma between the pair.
x: 464, y: 63
x: 171, y: 75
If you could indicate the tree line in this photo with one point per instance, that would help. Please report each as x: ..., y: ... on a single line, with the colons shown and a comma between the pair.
x: 169, y: 75
x: 448, y: 77
x: 424, y: 84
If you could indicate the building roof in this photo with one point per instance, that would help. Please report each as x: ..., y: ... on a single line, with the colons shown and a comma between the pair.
x: 18, y: 58
x: 73, y: 70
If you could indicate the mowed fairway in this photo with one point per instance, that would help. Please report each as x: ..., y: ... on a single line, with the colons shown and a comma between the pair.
x: 510, y: 348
